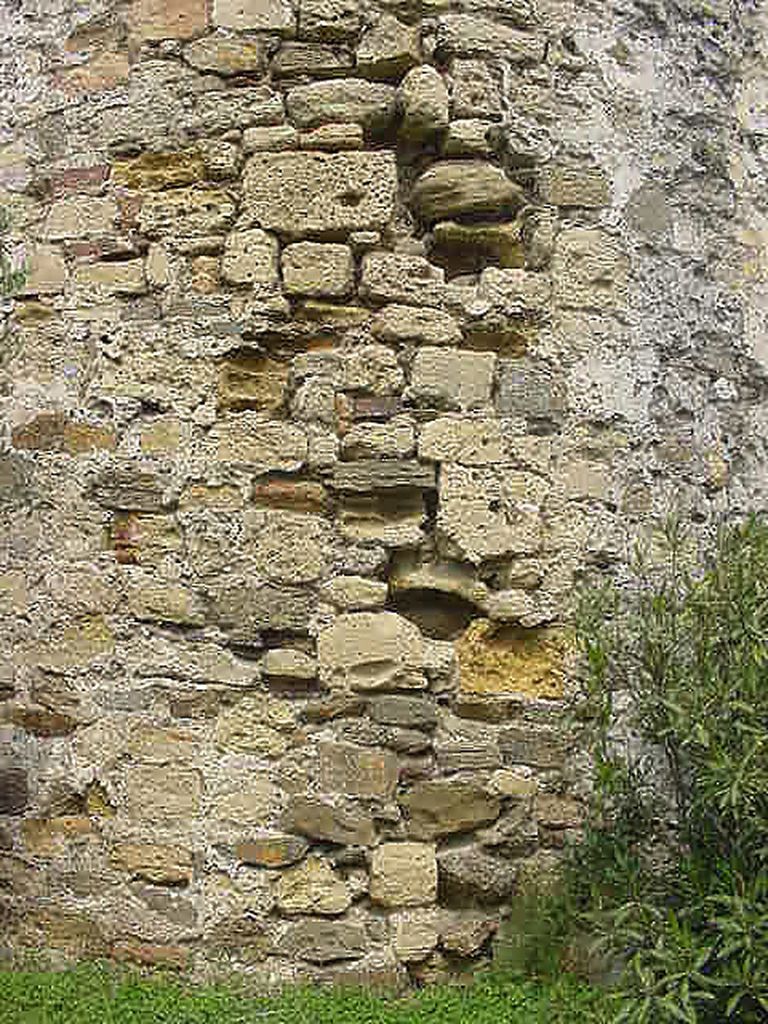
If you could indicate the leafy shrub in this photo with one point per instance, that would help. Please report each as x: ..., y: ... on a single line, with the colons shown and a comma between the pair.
x: 672, y: 878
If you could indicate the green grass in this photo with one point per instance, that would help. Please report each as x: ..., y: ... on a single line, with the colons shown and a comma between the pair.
x: 102, y: 995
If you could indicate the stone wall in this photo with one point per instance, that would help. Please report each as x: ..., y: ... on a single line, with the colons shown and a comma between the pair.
x: 354, y: 335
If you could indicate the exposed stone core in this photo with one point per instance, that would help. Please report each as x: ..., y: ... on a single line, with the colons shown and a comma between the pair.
x: 354, y: 335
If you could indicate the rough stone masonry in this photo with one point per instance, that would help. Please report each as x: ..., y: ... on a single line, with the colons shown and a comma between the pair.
x: 355, y: 333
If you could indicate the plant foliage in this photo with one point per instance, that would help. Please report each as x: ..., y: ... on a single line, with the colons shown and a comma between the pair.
x: 672, y: 876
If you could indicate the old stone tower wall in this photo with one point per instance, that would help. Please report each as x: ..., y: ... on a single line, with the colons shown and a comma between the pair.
x: 354, y: 334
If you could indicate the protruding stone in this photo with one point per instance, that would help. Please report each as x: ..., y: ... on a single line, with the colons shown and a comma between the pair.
x: 469, y: 876
x: 315, y: 268
x: 320, y: 193
x: 468, y: 137
x: 423, y: 99
x: 163, y: 865
x: 245, y: 610
x: 250, y: 257
x: 356, y: 771
x: 404, y: 874
x: 265, y: 446
x: 256, y: 725
x: 261, y: 15
x: 371, y: 651
x: 324, y: 820
x: 449, y: 379
x: 398, y: 277
x: 456, y: 188
x: 311, y: 888
x: 445, y: 807
x: 394, y: 439
x: 330, y: 20
x: 487, y: 512
x: 388, y: 49
x: 323, y: 941
x: 497, y: 658
x: 227, y: 55
x: 368, y: 475
x: 287, y: 664
x: 341, y: 100
x: 470, y: 247
x: 355, y: 593
x: 272, y: 850
x: 416, y: 325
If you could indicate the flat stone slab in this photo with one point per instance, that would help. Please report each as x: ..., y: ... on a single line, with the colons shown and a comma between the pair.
x: 311, y: 193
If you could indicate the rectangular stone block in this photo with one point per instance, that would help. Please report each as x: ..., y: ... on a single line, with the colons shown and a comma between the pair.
x: 309, y: 193
x: 448, y: 379
x: 155, y: 794
x: 357, y: 772
x: 404, y: 875
x: 316, y: 268
x: 260, y: 15
x: 162, y: 865
x: 367, y: 475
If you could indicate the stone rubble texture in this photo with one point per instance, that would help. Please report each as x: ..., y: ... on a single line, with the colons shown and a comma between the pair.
x: 353, y: 335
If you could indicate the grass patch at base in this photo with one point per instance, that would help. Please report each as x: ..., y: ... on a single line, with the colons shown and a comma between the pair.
x: 103, y: 995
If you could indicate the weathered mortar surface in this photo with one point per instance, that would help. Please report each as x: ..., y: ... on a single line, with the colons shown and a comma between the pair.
x: 354, y: 334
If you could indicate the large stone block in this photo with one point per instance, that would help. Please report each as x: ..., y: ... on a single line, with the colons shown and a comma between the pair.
x: 252, y: 381
x: 357, y: 772
x: 423, y: 99
x: 168, y: 19
x: 155, y: 794
x: 470, y: 35
x: 316, y: 268
x: 256, y: 725
x: 329, y: 822
x: 186, y: 212
x: 323, y: 941
x: 371, y: 651
x: 245, y: 610
x: 287, y: 547
x: 490, y: 512
x: 444, y: 807
x: 261, y: 15
x: 250, y: 257
x: 404, y: 874
x: 251, y: 803
x: 469, y: 876
x: 320, y: 193
x: 342, y: 101
x: 312, y: 887
x: 446, y: 378
x: 455, y: 188
x: 365, y: 476
x: 227, y: 55
x: 497, y: 659
x: 329, y: 19
x: 264, y: 445
x: 388, y: 48
x: 162, y: 865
